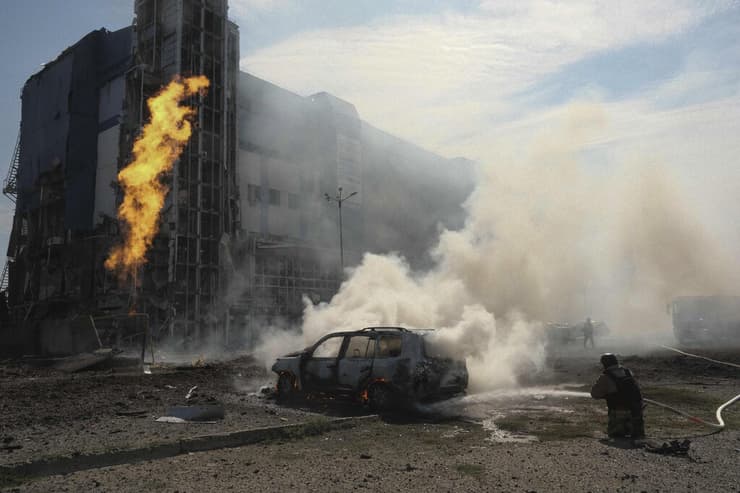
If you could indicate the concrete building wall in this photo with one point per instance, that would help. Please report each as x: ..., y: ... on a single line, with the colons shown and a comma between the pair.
x: 409, y: 194
x: 110, y: 111
x: 186, y: 271
x: 293, y: 151
x: 70, y: 107
x: 247, y: 195
x: 107, y: 169
x: 45, y: 120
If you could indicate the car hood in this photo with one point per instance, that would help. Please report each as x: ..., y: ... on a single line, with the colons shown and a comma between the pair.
x: 300, y: 352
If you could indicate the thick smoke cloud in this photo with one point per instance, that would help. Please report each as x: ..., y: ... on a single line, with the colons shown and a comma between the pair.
x: 552, y: 238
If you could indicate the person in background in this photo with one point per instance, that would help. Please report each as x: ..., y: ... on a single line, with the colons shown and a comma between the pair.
x: 588, y: 332
x: 623, y: 399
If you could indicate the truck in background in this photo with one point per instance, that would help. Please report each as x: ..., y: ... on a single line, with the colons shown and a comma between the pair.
x: 706, y: 319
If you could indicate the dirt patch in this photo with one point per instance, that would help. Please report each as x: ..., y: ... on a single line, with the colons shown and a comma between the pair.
x: 53, y: 414
x: 444, y: 446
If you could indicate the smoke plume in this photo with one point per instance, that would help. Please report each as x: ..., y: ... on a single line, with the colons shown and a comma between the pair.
x: 548, y: 239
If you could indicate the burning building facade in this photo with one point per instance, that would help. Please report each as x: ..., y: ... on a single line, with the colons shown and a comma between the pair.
x: 245, y: 232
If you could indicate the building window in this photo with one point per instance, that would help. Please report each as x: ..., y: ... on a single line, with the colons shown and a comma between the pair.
x: 292, y: 201
x: 253, y: 194
x: 274, y: 197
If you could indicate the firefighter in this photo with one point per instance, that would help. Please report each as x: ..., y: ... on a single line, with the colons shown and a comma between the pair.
x: 588, y: 332
x: 623, y: 398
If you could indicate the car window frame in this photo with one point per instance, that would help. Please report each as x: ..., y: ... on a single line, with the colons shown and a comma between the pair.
x: 321, y: 341
x: 348, y: 338
x: 377, y: 346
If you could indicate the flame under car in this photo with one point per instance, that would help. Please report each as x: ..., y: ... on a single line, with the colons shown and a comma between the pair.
x: 384, y: 367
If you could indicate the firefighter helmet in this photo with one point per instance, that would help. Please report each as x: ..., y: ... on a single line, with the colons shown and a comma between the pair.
x: 609, y: 359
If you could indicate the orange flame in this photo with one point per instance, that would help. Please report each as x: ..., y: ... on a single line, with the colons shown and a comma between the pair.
x: 155, y: 151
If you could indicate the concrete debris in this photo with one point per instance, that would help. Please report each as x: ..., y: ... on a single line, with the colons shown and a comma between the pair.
x: 135, y: 413
x: 267, y: 390
x: 191, y: 392
x: 170, y: 419
x: 674, y: 447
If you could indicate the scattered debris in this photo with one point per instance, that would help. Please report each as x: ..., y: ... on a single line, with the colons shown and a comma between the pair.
x: 170, y: 419
x: 191, y: 392
x: 365, y: 456
x: 267, y: 390
x: 674, y: 447
x: 8, y: 445
x: 136, y: 413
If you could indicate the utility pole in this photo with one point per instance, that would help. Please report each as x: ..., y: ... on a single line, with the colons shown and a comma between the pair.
x: 339, y: 199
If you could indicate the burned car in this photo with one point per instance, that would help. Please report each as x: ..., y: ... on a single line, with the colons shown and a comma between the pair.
x: 384, y: 367
x: 564, y: 334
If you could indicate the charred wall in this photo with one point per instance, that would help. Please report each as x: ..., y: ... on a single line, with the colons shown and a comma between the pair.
x: 292, y: 151
x: 53, y: 250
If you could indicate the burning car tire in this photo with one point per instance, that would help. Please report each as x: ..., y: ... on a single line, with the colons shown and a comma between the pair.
x: 285, y: 388
x: 381, y: 398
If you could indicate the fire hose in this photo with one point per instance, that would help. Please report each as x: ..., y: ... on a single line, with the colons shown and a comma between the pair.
x: 720, y: 425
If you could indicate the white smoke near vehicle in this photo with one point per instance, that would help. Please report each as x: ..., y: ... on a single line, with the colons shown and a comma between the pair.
x: 551, y: 238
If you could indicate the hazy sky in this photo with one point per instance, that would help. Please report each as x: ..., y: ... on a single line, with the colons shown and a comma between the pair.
x: 478, y: 78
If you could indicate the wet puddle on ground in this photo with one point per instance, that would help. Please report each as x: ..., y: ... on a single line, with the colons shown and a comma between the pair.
x: 488, y: 408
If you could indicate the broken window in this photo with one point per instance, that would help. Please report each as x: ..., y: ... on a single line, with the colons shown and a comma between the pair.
x: 434, y: 348
x: 389, y: 346
x: 329, y: 348
x: 360, y: 347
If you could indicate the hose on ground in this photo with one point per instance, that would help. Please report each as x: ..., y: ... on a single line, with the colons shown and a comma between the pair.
x: 720, y: 425
x: 720, y: 422
x: 700, y: 357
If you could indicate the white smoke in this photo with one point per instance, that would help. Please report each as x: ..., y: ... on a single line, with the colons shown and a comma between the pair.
x: 548, y: 239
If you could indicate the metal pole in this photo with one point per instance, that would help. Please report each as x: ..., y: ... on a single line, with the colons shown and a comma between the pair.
x: 339, y: 199
x: 341, y: 240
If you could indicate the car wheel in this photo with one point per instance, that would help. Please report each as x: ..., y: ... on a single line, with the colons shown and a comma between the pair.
x: 285, y: 388
x: 380, y: 398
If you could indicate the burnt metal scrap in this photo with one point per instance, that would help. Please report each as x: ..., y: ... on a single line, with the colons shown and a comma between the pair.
x: 382, y: 366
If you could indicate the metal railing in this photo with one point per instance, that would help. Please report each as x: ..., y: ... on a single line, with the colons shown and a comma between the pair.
x: 4, y: 279
x: 10, y: 183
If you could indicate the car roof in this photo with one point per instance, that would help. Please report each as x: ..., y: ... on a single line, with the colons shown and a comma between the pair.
x: 380, y: 330
x: 383, y: 328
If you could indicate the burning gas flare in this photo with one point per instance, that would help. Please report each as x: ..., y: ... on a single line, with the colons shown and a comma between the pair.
x: 159, y: 145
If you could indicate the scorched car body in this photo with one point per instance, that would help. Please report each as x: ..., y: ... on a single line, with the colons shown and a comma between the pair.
x: 384, y: 366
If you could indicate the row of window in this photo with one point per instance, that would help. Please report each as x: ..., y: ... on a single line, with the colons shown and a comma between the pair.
x: 360, y: 347
x: 274, y: 197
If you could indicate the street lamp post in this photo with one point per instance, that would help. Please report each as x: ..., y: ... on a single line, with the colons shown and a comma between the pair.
x: 339, y: 199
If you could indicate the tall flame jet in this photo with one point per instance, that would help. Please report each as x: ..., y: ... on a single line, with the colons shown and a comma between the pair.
x: 160, y: 144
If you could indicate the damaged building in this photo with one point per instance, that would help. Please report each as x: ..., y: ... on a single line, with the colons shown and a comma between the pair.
x: 246, y: 232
